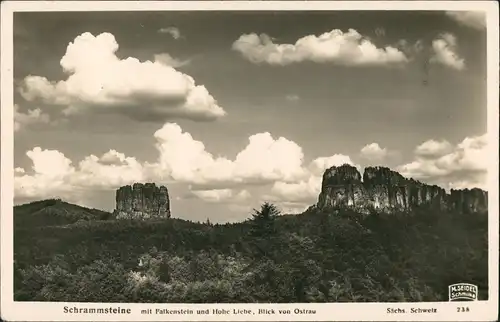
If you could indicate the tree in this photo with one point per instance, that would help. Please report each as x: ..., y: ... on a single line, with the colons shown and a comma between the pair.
x: 164, y: 273
x: 263, y: 221
x: 263, y: 230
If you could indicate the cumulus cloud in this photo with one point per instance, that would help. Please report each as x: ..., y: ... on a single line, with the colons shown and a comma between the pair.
x: 181, y: 158
x: 462, y: 166
x: 215, y: 195
x: 168, y: 60
x: 53, y: 174
x: 319, y: 165
x: 302, y: 191
x: 264, y: 159
x: 172, y: 31
x: 474, y: 19
x: 51, y: 170
x: 111, y: 170
x: 221, y: 195
x: 343, y: 48
x: 306, y: 191
x: 374, y: 152
x: 22, y: 120
x: 433, y: 148
x: 445, y: 52
x: 99, y: 81
x: 50, y: 163
x: 267, y: 158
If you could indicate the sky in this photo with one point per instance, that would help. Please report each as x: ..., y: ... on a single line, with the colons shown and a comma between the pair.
x: 231, y: 109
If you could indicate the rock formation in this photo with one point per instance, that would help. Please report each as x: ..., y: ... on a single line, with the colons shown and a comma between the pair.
x: 384, y: 190
x: 142, y: 201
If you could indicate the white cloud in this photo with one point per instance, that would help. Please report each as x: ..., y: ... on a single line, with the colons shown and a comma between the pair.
x: 433, y: 148
x: 168, y: 60
x: 461, y: 166
x: 50, y: 163
x: 51, y: 170
x: 267, y: 158
x: 264, y: 159
x: 215, y: 195
x: 348, y: 49
x: 181, y: 159
x: 303, y: 191
x: 374, y: 152
x: 306, y: 191
x: 98, y: 81
x: 222, y: 195
x: 172, y: 31
x: 319, y: 165
x: 292, y: 97
x: 474, y: 19
x: 445, y: 52
x: 54, y: 175
x: 22, y: 120
x: 113, y: 169
x: 185, y: 159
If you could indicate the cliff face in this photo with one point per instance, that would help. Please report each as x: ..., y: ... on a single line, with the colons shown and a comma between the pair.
x: 142, y: 201
x: 382, y: 189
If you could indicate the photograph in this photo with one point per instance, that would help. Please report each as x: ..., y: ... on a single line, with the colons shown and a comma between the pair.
x: 265, y: 157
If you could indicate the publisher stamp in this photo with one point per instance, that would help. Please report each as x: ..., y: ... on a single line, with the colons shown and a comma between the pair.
x: 462, y: 292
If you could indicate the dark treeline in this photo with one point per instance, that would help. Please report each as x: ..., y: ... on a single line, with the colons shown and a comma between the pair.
x: 64, y: 252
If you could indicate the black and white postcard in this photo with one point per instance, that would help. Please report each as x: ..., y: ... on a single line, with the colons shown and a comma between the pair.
x: 249, y: 161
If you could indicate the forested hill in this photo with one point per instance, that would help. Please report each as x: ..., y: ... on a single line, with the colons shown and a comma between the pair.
x: 52, y: 212
x: 64, y: 252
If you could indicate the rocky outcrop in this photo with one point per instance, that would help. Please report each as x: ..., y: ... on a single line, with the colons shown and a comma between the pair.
x: 468, y: 201
x: 142, y: 201
x: 381, y: 189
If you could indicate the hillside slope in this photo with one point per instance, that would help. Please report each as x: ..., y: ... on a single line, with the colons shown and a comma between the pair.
x: 53, y: 212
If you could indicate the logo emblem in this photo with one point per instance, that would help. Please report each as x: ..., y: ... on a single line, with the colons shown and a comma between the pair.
x: 462, y: 292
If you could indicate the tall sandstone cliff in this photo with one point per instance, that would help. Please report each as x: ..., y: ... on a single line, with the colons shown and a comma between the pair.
x: 142, y: 201
x: 384, y: 190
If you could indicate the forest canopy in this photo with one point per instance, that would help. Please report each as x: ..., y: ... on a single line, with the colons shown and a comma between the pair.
x: 270, y: 258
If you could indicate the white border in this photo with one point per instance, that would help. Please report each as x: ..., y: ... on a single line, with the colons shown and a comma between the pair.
x: 33, y: 311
